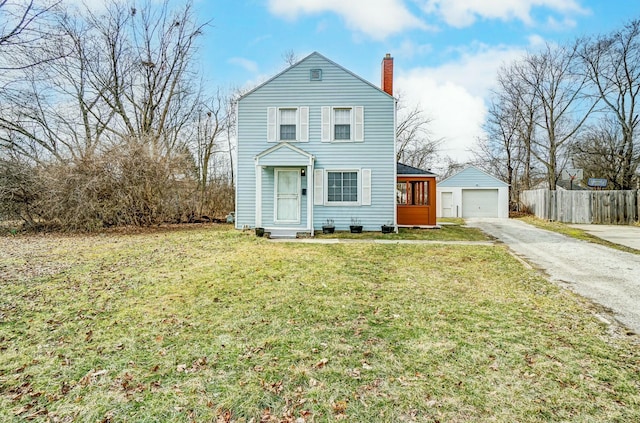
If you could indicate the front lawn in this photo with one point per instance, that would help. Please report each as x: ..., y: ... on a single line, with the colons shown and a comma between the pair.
x: 213, y: 324
x: 449, y: 231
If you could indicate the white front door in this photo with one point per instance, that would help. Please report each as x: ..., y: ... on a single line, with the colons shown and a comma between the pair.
x: 287, y: 201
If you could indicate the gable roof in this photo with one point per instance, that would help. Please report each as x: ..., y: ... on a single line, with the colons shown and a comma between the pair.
x: 403, y: 169
x: 316, y: 54
x: 284, y: 153
x: 472, y: 177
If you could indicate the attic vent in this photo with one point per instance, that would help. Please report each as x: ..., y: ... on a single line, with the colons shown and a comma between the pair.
x: 315, y: 75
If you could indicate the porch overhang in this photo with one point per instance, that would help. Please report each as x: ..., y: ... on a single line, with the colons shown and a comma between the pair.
x: 284, y: 154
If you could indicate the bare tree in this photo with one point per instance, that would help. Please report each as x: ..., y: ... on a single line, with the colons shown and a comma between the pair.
x: 113, y: 110
x: 501, y: 152
x: 290, y: 57
x: 415, y: 144
x: 612, y: 63
x: 123, y: 74
x: 554, y: 79
x: 601, y: 152
x: 20, y: 28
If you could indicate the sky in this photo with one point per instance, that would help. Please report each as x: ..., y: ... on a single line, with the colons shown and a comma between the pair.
x: 446, y: 52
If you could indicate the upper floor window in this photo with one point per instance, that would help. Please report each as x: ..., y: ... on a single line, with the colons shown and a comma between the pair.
x: 342, y: 123
x: 288, y: 124
x: 288, y: 121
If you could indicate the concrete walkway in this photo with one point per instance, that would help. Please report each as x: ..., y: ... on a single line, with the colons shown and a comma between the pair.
x: 377, y: 241
x: 626, y: 235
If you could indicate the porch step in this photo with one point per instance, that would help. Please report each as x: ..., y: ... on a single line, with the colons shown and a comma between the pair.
x: 282, y: 233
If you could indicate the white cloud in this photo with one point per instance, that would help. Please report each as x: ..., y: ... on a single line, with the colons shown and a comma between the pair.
x: 246, y: 64
x: 462, y: 13
x: 454, y: 94
x: 375, y: 18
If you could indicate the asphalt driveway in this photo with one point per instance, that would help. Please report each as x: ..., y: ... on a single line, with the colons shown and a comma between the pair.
x: 608, y: 277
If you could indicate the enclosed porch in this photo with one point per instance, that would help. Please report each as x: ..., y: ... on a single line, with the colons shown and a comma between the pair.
x: 415, y: 197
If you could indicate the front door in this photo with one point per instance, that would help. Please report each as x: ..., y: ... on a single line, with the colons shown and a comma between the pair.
x: 287, y: 201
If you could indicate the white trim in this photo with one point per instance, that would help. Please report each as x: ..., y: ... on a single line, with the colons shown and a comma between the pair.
x: 358, y: 124
x: 258, y: 216
x: 310, y: 176
x: 365, y: 198
x: 303, y: 123
x: 326, y: 124
x: 318, y: 187
x: 395, y: 165
x: 235, y: 170
x: 272, y: 124
x: 275, y: 195
x: 309, y: 158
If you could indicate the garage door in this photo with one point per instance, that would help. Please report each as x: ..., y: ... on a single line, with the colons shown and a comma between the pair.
x: 479, y: 203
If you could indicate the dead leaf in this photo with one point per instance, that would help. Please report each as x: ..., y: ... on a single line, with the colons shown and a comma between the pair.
x: 90, y: 376
x: 320, y: 364
x: 339, y: 407
x: 274, y: 388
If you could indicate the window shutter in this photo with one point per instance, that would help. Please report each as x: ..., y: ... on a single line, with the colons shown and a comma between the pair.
x: 271, y: 124
x: 318, y: 184
x: 303, y: 114
x: 366, y: 187
x: 326, y: 124
x: 359, y: 123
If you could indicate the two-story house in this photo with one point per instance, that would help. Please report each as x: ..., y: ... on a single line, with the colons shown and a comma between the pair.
x: 315, y: 143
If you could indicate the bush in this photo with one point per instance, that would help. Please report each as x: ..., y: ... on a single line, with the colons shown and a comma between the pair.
x: 20, y: 189
x: 130, y: 184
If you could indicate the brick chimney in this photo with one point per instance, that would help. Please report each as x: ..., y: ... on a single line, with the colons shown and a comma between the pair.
x: 387, y: 74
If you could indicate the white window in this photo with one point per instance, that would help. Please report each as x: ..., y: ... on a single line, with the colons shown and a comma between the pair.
x: 342, y: 123
x: 342, y: 187
x: 288, y: 124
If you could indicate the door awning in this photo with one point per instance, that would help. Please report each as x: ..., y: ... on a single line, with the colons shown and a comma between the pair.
x: 284, y: 154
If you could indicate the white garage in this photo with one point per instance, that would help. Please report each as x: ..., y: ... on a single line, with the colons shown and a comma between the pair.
x: 472, y: 193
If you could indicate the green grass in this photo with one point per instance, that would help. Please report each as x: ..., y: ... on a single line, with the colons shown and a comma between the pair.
x: 453, y: 231
x: 576, y: 233
x: 213, y: 324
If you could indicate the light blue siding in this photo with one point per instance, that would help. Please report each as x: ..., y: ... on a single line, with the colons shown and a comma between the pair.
x: 472, y: 177
x: 338, y: 88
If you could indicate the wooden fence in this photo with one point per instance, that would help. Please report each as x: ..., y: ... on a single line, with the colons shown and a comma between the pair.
x: 604, y: 207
